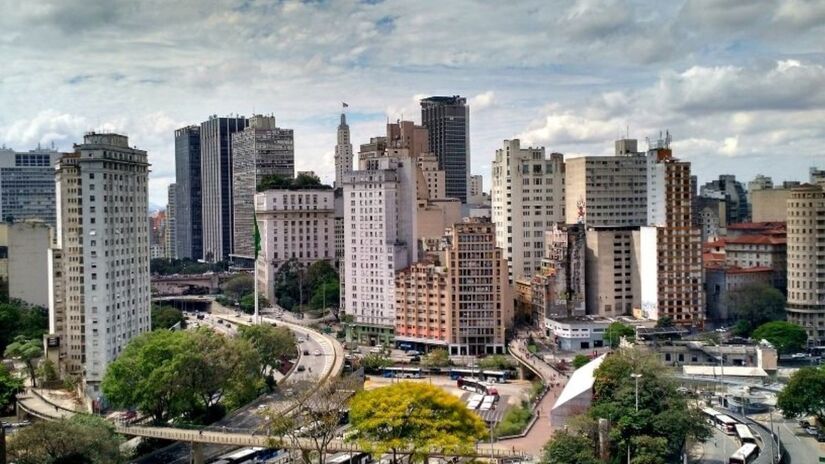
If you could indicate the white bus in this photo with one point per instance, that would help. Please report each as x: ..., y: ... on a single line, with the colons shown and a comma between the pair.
x: 744, y: 455
x: 744, y: 434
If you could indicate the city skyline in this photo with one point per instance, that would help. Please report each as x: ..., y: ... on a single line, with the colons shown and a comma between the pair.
x: 739, y: 86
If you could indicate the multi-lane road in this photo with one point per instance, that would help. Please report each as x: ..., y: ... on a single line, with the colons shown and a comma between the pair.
x: 325, y: 358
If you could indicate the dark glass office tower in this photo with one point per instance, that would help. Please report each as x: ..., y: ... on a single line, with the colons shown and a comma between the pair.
x: 448, y: 121
x: 188, y: 199
x: 216, y: 182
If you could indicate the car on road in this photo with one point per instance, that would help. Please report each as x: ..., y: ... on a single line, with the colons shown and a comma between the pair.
x: 306, y: 352
x: 413, y: 353
x: 317, y: 353
x: 799, y: 355
x: 301, y: 340
x: 813, y: 431
x: 820, y: 437
x: 301, y: 368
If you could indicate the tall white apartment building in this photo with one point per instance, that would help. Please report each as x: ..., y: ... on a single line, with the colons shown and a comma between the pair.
x: 806, y: 259
x: 296, y: 224
x: 377, y: 242
x: 99, y: 292
x: 528, y: 199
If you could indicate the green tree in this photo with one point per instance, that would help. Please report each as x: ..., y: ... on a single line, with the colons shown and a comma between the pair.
x: 514, y: 421
x: 616, y: 330
x: 319, y: 272
x: 496, y: 361
x: 273, y: 344
x: 784, y: 336
x: 183, y: 374
x: 247, y: 303
x: 326, y: 294
x: 663, y: 413
x: 757, y: 304
x: 47, y: 371
x: 374, y: 362
x: 569, y: 448
x: 580, y: 360
x: 438, y: 357
x: 28, y: 351
x: 18, y: 318
x: 291, y: 288
x: 164, y: 317
x: 82, y: 439
x: 239, y: 286
x: 413, y: 417
x: 664, y: 321
x: 9, y: 386
x: 804, y: 394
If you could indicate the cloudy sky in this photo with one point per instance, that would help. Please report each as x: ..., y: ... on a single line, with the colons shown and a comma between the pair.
x: 739, y: 84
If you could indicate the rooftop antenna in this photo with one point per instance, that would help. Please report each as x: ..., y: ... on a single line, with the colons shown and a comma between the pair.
x: 627, y: 131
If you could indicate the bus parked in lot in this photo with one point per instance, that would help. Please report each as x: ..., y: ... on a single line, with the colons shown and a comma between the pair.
x: 477, y: 386
x: 402, y: 372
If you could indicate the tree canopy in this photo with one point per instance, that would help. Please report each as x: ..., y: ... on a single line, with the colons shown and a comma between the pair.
x: 273, y: 344
x: 315, y: 286
x: 9, y: 386
x: 496, y: 361
x: 663, y: 412
x: 183, y: 374
x: 414, y: 417
x: 438, y: 357
x: 580, y: 360
x: 186, y: 266
x: 80, y: 439
x: 569, y: 448
x: 656, y: 432
x: 302, y: 181
x: 756, y: 304
x: 18, y: 318
x: 164, y: 317
x: 616, y: 330
x: 804, y: 394
x: 784, y: 336
x: 238, y: 286
x: 26, y: 350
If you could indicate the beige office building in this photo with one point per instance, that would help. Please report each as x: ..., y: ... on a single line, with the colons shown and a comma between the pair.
x: 770, y: 204
x: 607, y: 191
x: 460, y: 297
x: 527, y: 200
x: 24, y: 265
x: 806, y: 259
x: 99, y: 269
x: 297, y: 224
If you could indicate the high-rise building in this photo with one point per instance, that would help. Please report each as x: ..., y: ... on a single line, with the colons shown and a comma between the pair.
x: 157, y: 234
x: 817, y: 176
x: 188, y: 199
x: 611, y: 271
x: 24, y: 250
x: 99, y: 282
x: 460, y: 298
x: 670, y: 263
x: 734, y: 194
x: 769, y: 204
x: 343, y: 152
x: 607, y: 191
x: 563, y: 265
x: 27, y: 185
x: 448, y: 122
x: 377, y: 226
x: 294, y: 224
x: 216, y: 185
x: 259, y: 151
x: 170, y: 243
x: 527, y: 199
x: 759, y: 182
x: 806, y: 259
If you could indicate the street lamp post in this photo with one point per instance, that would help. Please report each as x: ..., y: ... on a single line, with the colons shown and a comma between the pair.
x: 636, y: 377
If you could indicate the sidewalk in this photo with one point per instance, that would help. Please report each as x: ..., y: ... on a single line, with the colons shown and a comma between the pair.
x: 541, y: 431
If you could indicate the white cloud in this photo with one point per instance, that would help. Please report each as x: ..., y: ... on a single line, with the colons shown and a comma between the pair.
x: 482, y: 100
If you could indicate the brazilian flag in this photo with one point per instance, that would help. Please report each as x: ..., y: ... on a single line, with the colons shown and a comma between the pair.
x: 257, y: 235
